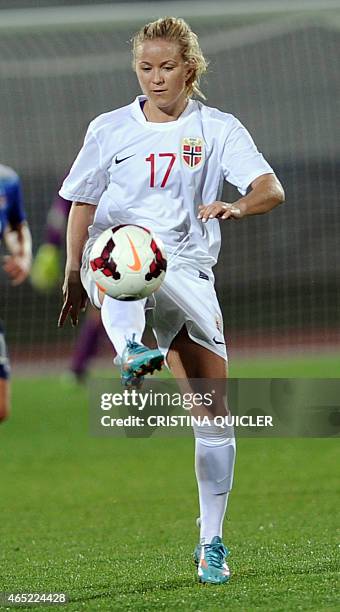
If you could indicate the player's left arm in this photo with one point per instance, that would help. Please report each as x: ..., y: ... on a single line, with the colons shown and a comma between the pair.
x: 266, y: 192
x: 18, y: 242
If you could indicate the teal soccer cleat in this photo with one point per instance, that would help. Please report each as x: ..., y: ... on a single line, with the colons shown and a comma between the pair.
x: 210, y: 562
x: 138, y: 360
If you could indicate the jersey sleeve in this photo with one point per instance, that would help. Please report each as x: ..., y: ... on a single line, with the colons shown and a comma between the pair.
x: 16, y: 211
x: 87, y: 180
x: 241, y: 161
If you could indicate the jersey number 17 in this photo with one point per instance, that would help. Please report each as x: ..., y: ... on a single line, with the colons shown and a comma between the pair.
x: 152, y: 160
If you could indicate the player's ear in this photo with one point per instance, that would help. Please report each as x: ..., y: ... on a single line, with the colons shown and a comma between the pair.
x: 190, y: 70
x: 190, y: 77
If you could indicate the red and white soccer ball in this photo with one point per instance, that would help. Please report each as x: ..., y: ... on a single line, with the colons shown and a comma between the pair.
x: 128, y: 262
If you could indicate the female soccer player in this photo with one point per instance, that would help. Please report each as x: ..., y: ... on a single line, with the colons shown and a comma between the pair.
x: 160, y: 162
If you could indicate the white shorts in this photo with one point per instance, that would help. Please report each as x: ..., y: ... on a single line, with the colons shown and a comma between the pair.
x: 186, y: 297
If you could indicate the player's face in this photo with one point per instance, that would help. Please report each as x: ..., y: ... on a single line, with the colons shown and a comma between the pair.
x: 162, y: 74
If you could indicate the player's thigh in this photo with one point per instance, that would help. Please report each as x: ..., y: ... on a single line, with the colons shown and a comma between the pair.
x: 4, y: 398
x: 188, y: 359
x: 86, y: 277
x: 199, y: 370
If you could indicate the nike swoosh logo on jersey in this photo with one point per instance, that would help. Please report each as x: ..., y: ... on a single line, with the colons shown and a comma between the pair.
x: 217, y: 341
x: 137, y: 265
x: 119, y: 161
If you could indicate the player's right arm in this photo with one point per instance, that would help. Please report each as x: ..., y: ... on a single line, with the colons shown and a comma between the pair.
x: 74, y: 295
x: 85, y: 184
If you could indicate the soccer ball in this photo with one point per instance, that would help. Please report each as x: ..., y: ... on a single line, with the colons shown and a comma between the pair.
x: 128, y: 262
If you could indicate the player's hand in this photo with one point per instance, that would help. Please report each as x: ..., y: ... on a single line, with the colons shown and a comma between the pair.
x: 74, y: 296
x: 17, y: 267
x: 220, y: 210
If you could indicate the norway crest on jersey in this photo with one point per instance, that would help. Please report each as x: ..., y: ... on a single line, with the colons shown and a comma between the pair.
x: 192, y: 152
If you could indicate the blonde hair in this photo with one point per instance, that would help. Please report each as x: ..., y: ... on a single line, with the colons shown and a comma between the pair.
x: 175, y: 30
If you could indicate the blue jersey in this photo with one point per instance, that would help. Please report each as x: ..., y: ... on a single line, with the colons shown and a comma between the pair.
x: 12, y: 210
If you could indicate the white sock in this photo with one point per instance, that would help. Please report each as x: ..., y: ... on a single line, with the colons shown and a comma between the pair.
x: 214, y: 463
x: 121, y: 320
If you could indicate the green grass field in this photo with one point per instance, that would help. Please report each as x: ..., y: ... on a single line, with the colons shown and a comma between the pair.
x: 111, y: 522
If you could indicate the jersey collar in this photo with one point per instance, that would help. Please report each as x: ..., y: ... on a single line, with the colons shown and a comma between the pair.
x: 139, y: 115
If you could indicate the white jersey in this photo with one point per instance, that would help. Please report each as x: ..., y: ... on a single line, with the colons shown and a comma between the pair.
x: 157, y: 174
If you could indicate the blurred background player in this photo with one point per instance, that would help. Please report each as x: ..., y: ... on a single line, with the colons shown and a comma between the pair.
x: 46, y: 274
x: 15, y: 232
